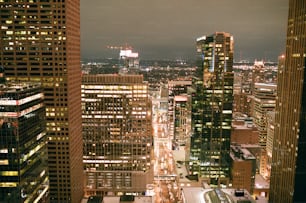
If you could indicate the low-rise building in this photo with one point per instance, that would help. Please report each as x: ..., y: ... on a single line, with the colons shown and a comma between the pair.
x: 244, y: 132
x: 243, y: 168
x: 199, y: 194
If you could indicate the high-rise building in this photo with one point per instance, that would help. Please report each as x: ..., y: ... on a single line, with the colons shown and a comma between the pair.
x: 23, y: 148
x: 243, y: 103
x: 264, y: 101
x: 288, y: 177
x: 40, y: 42
x: 258, y: 74
x: 270, y: 129
x: 269, y: 146
x: 130, y: 59
x: 182, y: 120
x: 212, y: 110
x: 175, y: 88
x: 117, y: 132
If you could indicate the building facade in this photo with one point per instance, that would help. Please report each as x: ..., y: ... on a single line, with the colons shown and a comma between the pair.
x: 244, y: 132
x: 23, y: 144
x: 243, y: 168
x: 243, y: 103
x: 269, y: 146
x: 40, y: 42
x: 264, y: 102
x: 117, y: 134
x: 212, y: 110
x: 258, y: 74
x: 182, y: 120
x: 288, y: 177
x: 175, y: 88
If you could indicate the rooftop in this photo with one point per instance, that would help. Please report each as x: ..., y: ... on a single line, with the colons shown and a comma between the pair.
x: 240, y: 153
x: 118, y: 199
x: 260, y: 182
x: 200, y: 195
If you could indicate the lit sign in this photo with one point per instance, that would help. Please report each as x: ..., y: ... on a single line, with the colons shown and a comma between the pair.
x: 128, y: 53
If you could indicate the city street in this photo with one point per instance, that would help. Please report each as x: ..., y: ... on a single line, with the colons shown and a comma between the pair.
x: 165, y: 177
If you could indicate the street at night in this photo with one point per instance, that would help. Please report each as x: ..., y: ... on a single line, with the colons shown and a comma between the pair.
x: 165, y: 177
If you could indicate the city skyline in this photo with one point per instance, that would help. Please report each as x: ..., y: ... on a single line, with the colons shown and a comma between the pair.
x: 160, y: 30
x: 146, y: 134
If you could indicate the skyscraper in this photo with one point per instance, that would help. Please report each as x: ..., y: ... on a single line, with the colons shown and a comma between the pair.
x: 288, y: 173
x: 117, y: 133
x: 182, y: 120
x: 258, y: 74
x: 23, y: 149
x: 212, y: 110
x: 264, y: 102
x: 176, y: 88
x: 40, y: 42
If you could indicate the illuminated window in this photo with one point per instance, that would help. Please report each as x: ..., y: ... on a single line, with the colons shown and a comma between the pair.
x: 4, y: 162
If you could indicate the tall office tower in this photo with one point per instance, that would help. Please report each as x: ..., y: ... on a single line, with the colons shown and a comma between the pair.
x: 212, y: 110
x: 264, y: 96
x: 23, y: 148
x: 264, y: 102
x: 269, y: 146
x: 117, y: 132
x: 182, y: 120
x: 258, y: 74
x: 288, y: 177
x: 40, y: 42
x: 270, y: 129
x: 130, y: 59
x: 175, y: 88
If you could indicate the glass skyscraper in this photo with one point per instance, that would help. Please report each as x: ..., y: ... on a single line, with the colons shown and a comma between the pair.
x: 23, y: 149
x: 288, y: 168
x: 212, y: 109
x: 40, y: 42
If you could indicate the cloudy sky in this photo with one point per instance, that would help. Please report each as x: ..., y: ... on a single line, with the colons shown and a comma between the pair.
x: 167, y: 29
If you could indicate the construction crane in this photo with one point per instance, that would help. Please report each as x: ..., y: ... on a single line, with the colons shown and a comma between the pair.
x: 125, y: 47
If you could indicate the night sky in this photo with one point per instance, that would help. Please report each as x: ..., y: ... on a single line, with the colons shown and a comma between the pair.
x: 167, y: 29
